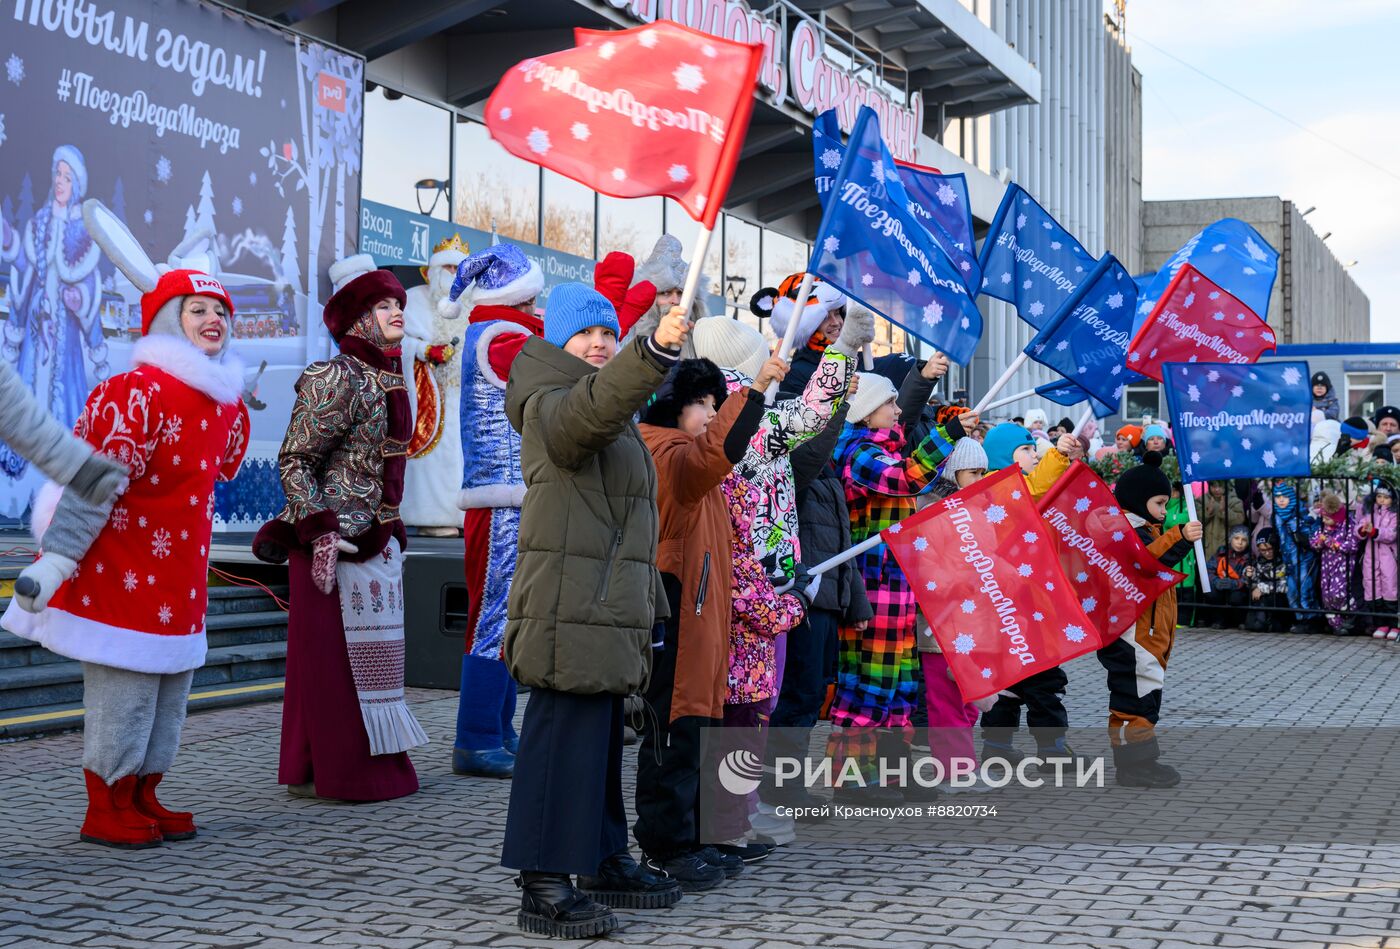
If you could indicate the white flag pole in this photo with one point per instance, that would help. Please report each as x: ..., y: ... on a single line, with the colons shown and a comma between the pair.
x: 790, y: 335
x: 1200, y: 550
x: 697, y: 264
x: 1008, y: 400
x: 1000, y: 384
x: 1083, y: 420
x: 869, y: 357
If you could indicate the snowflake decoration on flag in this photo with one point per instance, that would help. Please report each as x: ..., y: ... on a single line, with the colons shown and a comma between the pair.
x: 921, y: 544
x: 1228, y: 463
x: 1212, y: 376
x: 678, y: 173
x: 1254, y: 249
x: 14, y: 69
x: 1050, y: 586
x: 1275, y: 396
x: 1080, y: 577
x: 1165, y: 575
x: 1036, y: 308
x: 1134, y: 357
x: 689, y: 77
x: 996, y: 514
x: 986, y: 672
x: 1117, y: 535
x: 1030, y: 537
x: 930, y: 586
x: 1061, y: 346
x: 538, y: 140
x: 877, y: 169
x: 1193, y: 393
x: 1250, y: 270
x: 831, y: 158
x: 968, y: 606
x: 915, y: 278
x: 1081, y: 505
x: 237, y: 205
x: 1112, y: 510
x: 1246, y: 444
x: 963, y: 644
x: 580, y: 131
x: 708, y: 51
x: 1026, y: 284
x: 866, y: 280
x: 894, y: 528
x: 252, y: 177
x: 1038, y: 616
x: 1190, y: 299
x: 1074, y: 634
x: 162, y: 169
x: 965, y: 266
x: 891, y: 175
x: 832, y: 244
x: 1047, y: 225
x: 1114, y: 301
x: 933, y: 313
x: 148, y: 216
x: 1015, y: 495
x: 1217, y: 248
x: 1269, y: 459
x: 1237, y: 391
x: 505, y: 113
x: 607, y: 50
x: 1024, y: 570
x: 966, y: 322
x: 1006, y: 278
x: 1088, y: 604
x: 619, y: 174
x: 1115, y: 370
x: 1020, y: 221
x: 647, y: 39
x: 1291, y: 375
x: 946, y: 195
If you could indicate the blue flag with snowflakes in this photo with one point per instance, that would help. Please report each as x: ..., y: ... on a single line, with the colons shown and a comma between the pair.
x: 1086, y: 341
x: 1067, y: 393
x: 1232, y: 255
x: 1029, y: 260
x: 938, y: 201
x: 1232, y: 421
x: 873, y: 248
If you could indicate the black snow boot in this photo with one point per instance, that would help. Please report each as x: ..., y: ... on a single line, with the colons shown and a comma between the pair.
x: 1135, y: 765
x: 623, y: 883
x: 550, y: 906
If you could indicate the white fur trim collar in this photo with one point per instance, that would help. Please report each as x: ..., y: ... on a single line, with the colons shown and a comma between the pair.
x: 221, y: 381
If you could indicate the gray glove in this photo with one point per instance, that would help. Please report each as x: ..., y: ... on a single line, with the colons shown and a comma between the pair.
x: 38, y: 582
x: 100, y: 480
x: 856, y: 332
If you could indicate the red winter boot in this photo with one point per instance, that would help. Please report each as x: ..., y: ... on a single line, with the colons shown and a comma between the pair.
x: 174, y: 825
x: 112, y: 820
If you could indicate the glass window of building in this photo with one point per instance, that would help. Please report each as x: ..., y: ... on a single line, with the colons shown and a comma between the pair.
x: 741, y: 267
x: 1365, y: 393
x: 685, y: 228
x: 493, y: 187
x: 630, y: 225
x: 1139, y: 402
x: 392, y: 172
x: 568, y: 215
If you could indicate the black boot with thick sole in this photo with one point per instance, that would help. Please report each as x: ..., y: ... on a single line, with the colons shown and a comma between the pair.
x: 623, y: 883
x: 551, y: 906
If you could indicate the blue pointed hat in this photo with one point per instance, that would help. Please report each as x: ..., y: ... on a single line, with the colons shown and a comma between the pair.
x: 500, y: 274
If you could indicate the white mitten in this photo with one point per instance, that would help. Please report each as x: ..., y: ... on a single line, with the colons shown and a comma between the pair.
x: 38, y: 582
x: 857, y: 331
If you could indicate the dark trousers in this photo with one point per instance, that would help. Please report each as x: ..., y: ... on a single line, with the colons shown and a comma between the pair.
x: 1188, y: 610
x: 1228, y: 608
x: 566, y: 811
x: 811, y: 666
x: 668, y: 757
x: 1260, y: 619
x: 1046, y: 716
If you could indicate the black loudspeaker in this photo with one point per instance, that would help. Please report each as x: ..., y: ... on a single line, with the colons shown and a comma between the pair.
x: 435, y: 613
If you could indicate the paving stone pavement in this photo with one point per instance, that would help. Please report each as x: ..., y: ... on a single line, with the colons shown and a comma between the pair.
x: 268, y: 870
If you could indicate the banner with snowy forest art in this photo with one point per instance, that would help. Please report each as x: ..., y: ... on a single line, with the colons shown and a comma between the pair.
x: 225, y: 144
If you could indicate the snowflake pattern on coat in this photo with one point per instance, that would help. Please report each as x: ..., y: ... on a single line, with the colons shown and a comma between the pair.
x: 154, y: 532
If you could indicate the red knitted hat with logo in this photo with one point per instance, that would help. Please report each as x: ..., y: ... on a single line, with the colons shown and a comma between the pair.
x: 181, y: 283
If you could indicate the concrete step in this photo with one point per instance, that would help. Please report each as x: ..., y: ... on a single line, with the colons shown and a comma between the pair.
x: 68, y: 716
x: 243, y: 600
x: 61, y: 682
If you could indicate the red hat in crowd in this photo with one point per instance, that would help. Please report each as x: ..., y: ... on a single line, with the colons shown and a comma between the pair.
x: 359, y: 285
x: 176, y: 284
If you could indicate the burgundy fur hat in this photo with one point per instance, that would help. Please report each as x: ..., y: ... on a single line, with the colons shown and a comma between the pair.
x: 353, y: 299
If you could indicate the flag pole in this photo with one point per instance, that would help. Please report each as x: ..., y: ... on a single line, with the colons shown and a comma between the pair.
x: 790, y: 335
x: 697, y: 263
x: 1008, y: 400
x: 1083, y: 420
x: 1000, y: 384
x: 1200, y: 550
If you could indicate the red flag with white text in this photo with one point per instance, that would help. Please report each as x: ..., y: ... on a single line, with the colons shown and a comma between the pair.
x: 984, y: 569
x: 1197, y: 321
x: 660, y: 109
x: 1109, y: 568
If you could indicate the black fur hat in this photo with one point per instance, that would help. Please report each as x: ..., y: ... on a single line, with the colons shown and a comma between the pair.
x: 689, y: 382
x: 1141, y: 483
